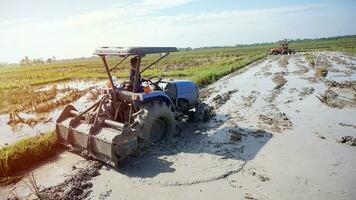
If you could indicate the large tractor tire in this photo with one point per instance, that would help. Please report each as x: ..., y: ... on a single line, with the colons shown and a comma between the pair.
x: 155, y: 121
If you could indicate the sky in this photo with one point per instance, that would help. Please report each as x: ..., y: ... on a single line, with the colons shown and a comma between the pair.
x: 74, y: 28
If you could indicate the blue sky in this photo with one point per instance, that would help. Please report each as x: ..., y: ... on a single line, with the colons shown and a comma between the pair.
x: 73, y: 28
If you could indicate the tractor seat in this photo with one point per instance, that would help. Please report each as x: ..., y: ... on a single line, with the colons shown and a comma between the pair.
x: 171, y: 91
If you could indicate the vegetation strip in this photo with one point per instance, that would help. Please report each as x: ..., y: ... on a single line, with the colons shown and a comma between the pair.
x: 26, y: 153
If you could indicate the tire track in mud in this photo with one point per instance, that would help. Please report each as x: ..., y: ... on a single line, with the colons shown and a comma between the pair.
x: 273, y: 119
x: 206, y: 158
x: 200, y: 154
x: 213, y: 161
x: 337, y: 94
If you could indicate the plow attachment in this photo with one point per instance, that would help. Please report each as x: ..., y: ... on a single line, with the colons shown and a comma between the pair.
x: 106, y: 140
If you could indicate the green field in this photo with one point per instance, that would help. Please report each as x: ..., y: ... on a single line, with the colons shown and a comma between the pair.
x: 178, y: 64
x: 202, y: 65
x: 18, y: 83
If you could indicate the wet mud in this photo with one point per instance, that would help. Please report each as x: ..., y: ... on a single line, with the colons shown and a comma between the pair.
x: 76, y: 186
x: 271, y: 138
x: 339, y: 94
x: 349, y: 140
x: 219, y: 100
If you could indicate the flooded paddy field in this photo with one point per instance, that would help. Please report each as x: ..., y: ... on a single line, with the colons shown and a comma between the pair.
x: 40, y: 118
x: 280, y: 131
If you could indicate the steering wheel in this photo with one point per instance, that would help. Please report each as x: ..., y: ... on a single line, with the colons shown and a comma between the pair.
x: 124, y: 83
x: 154, y: 83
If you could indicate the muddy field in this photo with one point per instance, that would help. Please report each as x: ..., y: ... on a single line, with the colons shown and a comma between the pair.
x: 280, y: 131
x: 40, y: 118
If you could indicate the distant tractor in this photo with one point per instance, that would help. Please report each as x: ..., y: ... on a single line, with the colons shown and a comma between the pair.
x: 282, y: 49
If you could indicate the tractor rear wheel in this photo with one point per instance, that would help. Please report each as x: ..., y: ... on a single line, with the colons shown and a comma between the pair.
x: 155, y: 121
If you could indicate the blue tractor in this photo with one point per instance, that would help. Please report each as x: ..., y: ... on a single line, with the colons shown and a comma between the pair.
x: 132, y: 113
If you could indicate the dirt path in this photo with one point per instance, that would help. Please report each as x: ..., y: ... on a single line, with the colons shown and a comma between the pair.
x: 274, y: 136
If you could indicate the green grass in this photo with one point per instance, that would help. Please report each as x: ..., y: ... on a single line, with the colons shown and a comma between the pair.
x: 25, y: 153
x: 89, y: 69
x: 344, y: 44
x: 178, y: 64
x: 18, y: 83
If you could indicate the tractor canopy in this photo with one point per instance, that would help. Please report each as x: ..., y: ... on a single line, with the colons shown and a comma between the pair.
x: 127, y: 51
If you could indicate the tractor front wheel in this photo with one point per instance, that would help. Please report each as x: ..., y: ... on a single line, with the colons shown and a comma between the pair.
x: 202, y: 113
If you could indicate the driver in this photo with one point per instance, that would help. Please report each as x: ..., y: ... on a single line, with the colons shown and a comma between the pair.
x: 134, y: 68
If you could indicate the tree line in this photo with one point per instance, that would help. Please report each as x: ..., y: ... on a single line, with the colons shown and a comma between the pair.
x: 27, y: 61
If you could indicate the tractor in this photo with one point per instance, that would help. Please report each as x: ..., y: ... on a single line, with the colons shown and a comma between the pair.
x: 282, y: 49
x: 133, y: 114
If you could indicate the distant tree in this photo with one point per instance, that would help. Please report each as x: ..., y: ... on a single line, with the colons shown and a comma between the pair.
x: 25, y: 61
x: 51, y: 59
x: 38, y: 61
x: 185, y: 49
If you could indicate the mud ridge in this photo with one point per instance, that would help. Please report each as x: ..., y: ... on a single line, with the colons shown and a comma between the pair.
x: 305, y: 91
x: 301, y: 71
x: 220, y: 100
x: 76, y: 186
x: 250, y: 99
x: 334, y: 99
x: 349, y: 125
x: 275, y: 121
x: 349, y: 140
x: 279, y: 80
x: 345, y: 84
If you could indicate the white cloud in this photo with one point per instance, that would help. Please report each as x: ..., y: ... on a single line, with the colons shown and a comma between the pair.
x: 9, y: 23
x: 137, y: 24
x: 246, y: 14
x: 160, y: 4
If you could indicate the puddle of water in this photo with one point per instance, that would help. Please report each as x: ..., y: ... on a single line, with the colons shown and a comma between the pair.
x: 9, y: 134
x: 77, y: 84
